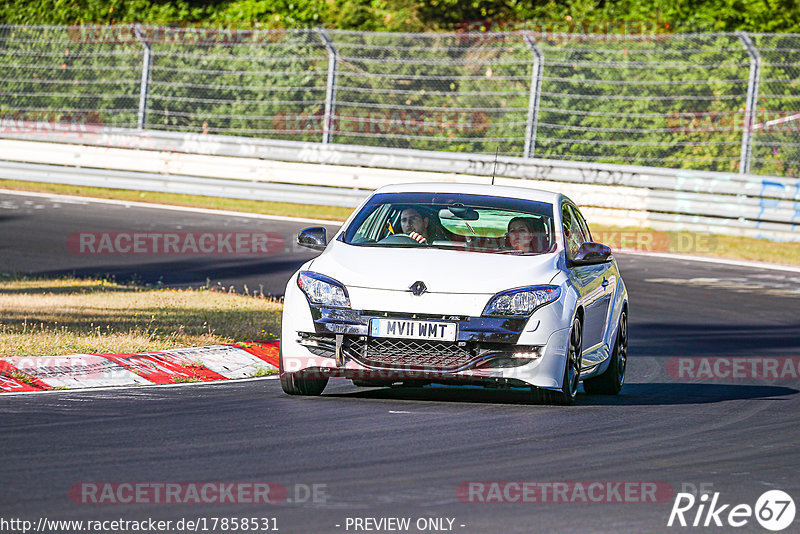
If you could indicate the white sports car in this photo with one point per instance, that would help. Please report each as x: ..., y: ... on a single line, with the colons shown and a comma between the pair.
x: 458, y: 284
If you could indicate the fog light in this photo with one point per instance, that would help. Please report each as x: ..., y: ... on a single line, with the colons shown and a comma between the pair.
x: 529, y: 353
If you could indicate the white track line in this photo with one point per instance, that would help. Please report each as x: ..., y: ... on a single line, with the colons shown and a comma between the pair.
x: 140, y: 387
x: 169, y: 207
x: 724, y: 261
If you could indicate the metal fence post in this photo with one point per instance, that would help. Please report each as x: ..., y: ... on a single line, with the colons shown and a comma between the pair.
x: 144, y: 86
x: 750, y: 105
x: 330, y: 91
x: 533, y: 102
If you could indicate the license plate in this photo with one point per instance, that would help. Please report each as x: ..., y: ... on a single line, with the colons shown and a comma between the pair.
x: 410, y: 329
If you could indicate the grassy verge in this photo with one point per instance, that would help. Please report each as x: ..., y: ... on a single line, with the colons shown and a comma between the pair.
x: 718, y: 246
x: 61, y: 316
x: 646, y: 240
x: 331, y: 213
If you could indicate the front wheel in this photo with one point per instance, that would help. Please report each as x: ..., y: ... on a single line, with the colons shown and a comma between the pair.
x: 572, y: 369
x: 610, y: 382
x: 296, y: 384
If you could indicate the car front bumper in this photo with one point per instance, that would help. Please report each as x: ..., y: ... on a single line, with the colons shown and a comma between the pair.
x: 508, y: 366
x: 504, y: 352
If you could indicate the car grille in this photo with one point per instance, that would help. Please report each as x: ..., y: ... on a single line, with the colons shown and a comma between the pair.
x: 408, y: 353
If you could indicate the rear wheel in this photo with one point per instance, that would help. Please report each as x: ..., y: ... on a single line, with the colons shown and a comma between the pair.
x: 572, y: 370
x: 296, y: 384
x: 610, y: 382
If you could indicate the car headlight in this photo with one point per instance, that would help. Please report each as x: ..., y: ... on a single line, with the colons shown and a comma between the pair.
x: 323, y: 290
x: 522, y: 301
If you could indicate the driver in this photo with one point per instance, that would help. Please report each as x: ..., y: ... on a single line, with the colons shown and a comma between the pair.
x: 415, y: 224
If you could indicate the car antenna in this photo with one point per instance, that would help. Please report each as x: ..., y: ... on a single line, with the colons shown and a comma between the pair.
x: 496, y: 150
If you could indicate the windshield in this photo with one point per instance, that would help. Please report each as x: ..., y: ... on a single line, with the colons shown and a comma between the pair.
x: 475, y: 223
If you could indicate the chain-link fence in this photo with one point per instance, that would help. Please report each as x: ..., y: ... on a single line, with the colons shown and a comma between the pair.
x: 725, y: 102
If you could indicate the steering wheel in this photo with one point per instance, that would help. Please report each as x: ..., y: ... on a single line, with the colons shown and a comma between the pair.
x: 400, y: 239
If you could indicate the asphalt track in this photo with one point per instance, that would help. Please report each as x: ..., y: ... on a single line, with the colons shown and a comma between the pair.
x: 35, y: 232
x: 402, y: 452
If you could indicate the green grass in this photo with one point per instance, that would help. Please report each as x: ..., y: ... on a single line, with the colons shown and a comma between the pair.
x: 23, y: 377
x: 46, y: 316
x: 261, y: 371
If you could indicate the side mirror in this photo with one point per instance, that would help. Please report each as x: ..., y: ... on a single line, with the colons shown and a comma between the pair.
x: 592, y: 254
x: 313, y: 238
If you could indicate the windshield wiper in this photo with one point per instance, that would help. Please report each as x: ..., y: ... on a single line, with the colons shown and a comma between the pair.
x: 512, y: 251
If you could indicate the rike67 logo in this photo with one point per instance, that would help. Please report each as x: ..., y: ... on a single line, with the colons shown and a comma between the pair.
x: 774, y: 510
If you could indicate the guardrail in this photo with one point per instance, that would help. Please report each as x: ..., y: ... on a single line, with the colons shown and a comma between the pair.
x: 290, y: 171
x: 187, y: 185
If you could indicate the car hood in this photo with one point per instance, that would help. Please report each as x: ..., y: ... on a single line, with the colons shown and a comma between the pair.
x: 442, y: 271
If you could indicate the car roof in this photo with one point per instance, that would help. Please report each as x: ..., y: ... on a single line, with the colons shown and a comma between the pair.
x: 525, y: 193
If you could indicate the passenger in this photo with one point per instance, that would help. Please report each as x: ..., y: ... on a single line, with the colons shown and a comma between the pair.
x: 527, y: 234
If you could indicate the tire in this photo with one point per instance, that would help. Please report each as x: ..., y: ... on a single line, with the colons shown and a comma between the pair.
x: 295, y: 384
x: 610, y: 382
x: 572, y: 370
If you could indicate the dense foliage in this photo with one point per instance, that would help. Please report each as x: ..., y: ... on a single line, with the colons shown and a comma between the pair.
x: 425, y: 15
x: 669, y: 100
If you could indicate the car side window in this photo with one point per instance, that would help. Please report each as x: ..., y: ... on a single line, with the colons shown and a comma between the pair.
x: 574, y: 234
x: 582, y: 222
x: 375, y: 227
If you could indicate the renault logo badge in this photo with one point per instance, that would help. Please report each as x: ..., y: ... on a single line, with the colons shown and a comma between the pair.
x: 418, y: 288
